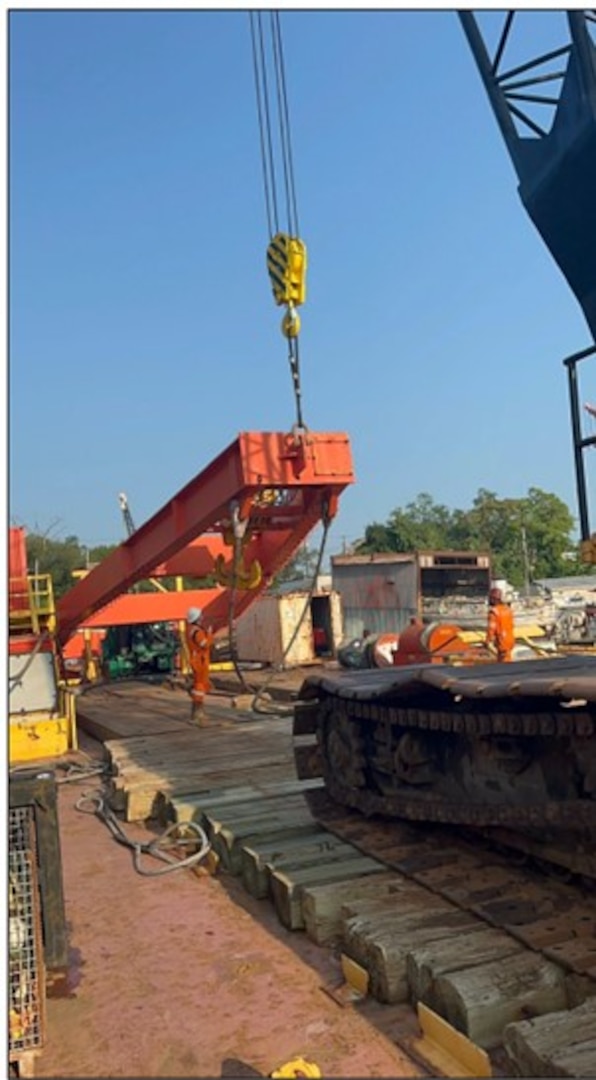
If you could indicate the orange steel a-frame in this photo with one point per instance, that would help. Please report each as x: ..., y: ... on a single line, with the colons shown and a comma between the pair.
x: 281, y: 485
x: 151, y: 607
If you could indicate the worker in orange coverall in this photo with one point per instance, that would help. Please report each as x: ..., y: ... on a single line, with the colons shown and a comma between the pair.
x: 199, y: 642
x: 500, y: 634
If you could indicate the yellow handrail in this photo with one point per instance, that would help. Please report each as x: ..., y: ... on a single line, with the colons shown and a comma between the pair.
x: 31, y: 605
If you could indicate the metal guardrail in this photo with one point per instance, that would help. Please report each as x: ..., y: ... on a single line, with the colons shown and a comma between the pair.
x: 31, y: 604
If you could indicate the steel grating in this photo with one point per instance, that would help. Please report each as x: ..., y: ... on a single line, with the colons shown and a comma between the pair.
x: 26, y: 992
x: 21, y: 833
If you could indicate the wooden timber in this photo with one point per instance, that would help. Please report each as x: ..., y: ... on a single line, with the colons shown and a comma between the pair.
x: 481, y: 1000
x: 560, y: 1044
x: 382, y: 940
x: 231, y: 836
x: 289, y: 882
x: 428, y: 918
x: 25, y: 1062
x: 324, y: 906
x: 305, y: 849
x: 130, y: 709
x: 156, y: 755
x: 191, y: 807
x: 425, y: 964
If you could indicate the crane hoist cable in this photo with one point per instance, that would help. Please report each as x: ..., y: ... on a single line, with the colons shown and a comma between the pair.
x: 286, y: 252
x: 326, y: 519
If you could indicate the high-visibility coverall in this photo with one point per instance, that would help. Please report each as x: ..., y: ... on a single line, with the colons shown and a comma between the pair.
x: 500, y: 632
x: 199, y: 642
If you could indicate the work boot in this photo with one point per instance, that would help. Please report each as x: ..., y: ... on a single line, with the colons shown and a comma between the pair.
x: 198, y: 717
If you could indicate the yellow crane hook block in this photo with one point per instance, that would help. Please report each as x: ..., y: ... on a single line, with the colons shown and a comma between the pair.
x: 286, y: 263
x: 297, y: 1067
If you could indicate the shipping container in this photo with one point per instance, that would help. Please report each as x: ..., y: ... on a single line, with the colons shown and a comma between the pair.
x: 381, y: 593
x: 267, y: 632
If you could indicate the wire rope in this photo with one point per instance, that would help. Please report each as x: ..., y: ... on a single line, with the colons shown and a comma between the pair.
x: 264, y: 117
x: 280, y: 667
x: 294, y: 359
x: 16, y: 679
x: 159, y: 848
x: 271, y: 56
x: 285, y: 131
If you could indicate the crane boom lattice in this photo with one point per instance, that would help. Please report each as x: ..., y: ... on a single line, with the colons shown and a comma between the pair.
x: 554, y: 158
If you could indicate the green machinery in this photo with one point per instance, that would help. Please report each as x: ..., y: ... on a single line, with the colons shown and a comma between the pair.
x: 146, y: 649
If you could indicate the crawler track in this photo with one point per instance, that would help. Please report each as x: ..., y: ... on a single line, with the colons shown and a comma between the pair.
x: 552, y: 917
x: 509, y: 747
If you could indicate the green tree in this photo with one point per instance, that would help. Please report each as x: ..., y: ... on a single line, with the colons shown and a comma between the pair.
x: 527, y: 538
x: 549, y: 525
x: 60, y: 558
x: 377, y: 538
x: 97, y: 554
x: 55, y: 557
x: 301, y: 565
x: 421, y: 524
x: 494, y: 525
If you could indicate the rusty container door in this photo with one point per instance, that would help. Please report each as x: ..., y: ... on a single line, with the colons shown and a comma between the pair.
x: 378, y: 593
x: 265, y: 631
x: 296, y: 629
x: 258, y: 632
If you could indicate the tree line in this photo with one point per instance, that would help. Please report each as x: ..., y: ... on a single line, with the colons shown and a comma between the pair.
x: 60, y: 558
x: 528, y: 539
x: 63, y: 558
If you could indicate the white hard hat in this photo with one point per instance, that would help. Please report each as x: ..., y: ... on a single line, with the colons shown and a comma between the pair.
x: 194, y: 614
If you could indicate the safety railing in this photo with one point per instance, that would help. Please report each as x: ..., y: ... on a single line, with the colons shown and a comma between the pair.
x: 31, y: 605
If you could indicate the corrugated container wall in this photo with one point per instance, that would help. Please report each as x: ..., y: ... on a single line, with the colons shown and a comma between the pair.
x: 379, y: 593
x: 265, y: 630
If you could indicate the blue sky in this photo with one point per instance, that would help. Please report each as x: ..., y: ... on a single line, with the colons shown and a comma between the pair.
x: 143, y: 335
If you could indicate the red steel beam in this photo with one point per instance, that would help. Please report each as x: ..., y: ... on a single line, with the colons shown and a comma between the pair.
x: 318, y: 465
x: 149, y: 607
x: 195, y: 560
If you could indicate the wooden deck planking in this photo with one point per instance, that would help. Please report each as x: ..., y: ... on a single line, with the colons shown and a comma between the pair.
x: 190, y: 807
x: 118, y: 722
x: 144, y: 798
x: 154, y: 756
x: 102, y: 729
x: 150, y: 768
x: 127, y: 710
x: 238, y: 778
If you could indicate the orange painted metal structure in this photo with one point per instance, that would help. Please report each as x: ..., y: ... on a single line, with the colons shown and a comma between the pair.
x: 195, y: 560
x: 76, y: 647
x: 436, y: 643
x: 17, y: 571
x: 280, y: 484
x: 132, y: 608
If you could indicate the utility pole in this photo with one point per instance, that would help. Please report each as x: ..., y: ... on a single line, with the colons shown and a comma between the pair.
x: 524, y: 539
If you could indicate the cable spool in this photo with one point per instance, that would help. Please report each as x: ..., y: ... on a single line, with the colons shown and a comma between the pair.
x: 419, y: 644
x: 383, y: 649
